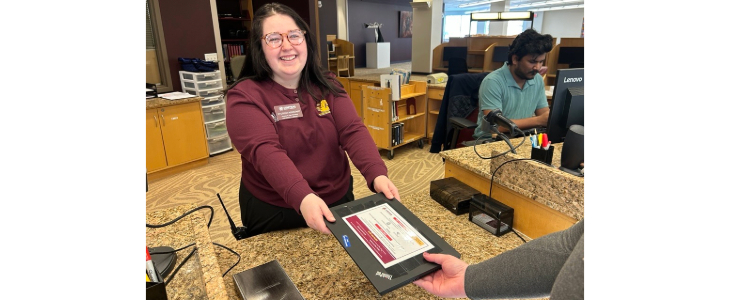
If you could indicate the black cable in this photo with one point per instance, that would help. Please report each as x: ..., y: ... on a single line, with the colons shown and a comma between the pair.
x: 491, y: 183
x: 173, y: 251
x: 515, y: 232
x: 234, y: 252
x: 498, y: 155
x: 180, y: 266
x: 195, y: 249
x: 183, y: 215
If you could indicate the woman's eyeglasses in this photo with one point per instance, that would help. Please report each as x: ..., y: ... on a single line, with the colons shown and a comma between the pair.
x: 275, y: 39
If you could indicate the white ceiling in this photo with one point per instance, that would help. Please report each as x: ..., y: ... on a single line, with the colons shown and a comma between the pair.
x: 452, y: 6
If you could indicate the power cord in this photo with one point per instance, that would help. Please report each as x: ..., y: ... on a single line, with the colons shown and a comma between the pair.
x: 503, y: 153
x: 210, y: 220
x: 491, y: 183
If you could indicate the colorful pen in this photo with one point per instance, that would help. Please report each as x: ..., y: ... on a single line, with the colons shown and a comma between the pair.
x: 151, y: 267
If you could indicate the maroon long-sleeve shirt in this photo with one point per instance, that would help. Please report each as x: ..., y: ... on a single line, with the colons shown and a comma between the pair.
x: 284, y: 160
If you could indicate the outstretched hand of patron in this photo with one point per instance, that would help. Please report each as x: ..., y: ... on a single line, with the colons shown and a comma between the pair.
x: 447, y: 282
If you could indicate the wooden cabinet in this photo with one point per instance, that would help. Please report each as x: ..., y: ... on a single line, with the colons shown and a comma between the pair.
x: 394, y: 123
x: 435, y: 95
x: 175, y: 138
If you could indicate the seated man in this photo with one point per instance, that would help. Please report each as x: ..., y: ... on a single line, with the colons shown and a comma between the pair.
x: 517, y: 88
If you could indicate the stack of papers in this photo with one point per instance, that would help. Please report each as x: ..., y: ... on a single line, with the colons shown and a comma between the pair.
x: 176, y: 96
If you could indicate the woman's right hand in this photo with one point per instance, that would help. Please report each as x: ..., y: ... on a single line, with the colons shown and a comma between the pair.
x: 313, y: 209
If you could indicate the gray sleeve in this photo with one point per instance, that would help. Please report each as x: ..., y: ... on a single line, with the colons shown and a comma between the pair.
x: 530, y: 270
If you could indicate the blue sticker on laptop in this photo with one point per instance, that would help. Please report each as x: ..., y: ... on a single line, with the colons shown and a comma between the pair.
x: 346, y: 241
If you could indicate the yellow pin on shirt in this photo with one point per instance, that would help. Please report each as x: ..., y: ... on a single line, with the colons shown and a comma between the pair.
x: 323, y: 108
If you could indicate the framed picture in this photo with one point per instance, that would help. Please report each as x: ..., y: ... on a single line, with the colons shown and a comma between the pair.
x: 405, y: 29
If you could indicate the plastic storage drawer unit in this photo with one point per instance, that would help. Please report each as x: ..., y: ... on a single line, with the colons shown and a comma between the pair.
x: 193, y: 76
x: 203, y: 93
x: 214, y: 113
x: 219, y: 144
x: 210, y: 101
x: 216, y: 129
x: 203, y: 85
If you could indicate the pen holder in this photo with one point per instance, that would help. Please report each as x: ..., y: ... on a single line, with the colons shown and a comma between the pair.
x: 543, y: 155
x: 156, y: 290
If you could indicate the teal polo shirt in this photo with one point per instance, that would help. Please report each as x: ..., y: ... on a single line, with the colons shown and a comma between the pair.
x: 499, y: 90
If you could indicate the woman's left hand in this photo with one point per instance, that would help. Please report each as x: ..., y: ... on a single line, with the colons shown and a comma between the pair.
x: 382, y: 184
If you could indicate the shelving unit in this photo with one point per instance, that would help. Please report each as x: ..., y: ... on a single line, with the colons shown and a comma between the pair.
x: 390, y: 122
x: 480, y: 51
x: 209, y: 86
x: 234, y: 23
x: 435, y: 95
x: 341, y: 48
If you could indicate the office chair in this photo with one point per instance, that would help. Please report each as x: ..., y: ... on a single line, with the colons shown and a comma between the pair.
x: 457, y: 65
x: 460, y: 103
x: 237, y: 65
x: 343, y: 65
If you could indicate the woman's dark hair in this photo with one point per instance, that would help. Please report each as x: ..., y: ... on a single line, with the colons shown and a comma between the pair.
x: 255, y: 66
x: 529, y: 42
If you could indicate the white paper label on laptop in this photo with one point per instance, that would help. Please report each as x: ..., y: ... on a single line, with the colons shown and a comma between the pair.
x: 388, y: 236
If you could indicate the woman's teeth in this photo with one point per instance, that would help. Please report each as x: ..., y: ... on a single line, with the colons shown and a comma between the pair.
x: 288, y: 57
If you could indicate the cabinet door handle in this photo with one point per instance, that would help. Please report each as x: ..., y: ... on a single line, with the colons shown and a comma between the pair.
x: 155, y: 120
x: 163, y: 119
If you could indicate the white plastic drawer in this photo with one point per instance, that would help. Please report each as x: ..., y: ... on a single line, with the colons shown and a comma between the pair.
x: 219, y: 144
x: 193, y: 76
x: 214, y: 113
x: 203, y: 93
x: 203, y: 85
x: 215, y: 100
x: 215, y: 129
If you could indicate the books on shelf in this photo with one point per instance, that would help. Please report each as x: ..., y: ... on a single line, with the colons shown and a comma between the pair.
x: 231, y: 50
x: 396, y: 134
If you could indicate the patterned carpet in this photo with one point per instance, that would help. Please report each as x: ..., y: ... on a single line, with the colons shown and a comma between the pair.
x: 412, y: 170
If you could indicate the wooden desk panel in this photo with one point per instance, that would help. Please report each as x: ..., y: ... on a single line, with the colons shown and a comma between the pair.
x: 531, y: 218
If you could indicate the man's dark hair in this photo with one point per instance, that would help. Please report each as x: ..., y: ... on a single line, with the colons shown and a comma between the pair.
x: 255, y: 66
x: 529, y: 42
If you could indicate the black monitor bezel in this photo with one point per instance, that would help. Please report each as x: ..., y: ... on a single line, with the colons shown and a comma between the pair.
x: 454, y: 51
x: 556, y: 130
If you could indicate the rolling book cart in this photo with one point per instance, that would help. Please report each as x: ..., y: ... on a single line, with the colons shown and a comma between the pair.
x: 395, y: 123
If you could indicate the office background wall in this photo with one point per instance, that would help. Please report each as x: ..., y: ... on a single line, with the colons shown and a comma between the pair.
x: 562, y: 23
x: 188, y: 30
x: 327, y: 25
x: 384, y: 12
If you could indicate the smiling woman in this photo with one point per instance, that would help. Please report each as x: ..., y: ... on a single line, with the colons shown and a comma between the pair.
x: 295, y: 128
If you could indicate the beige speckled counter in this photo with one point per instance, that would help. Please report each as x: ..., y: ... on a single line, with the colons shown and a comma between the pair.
x: 200, y: 277
x: 549, y: 186
x: 160, y: 102
x: 321, y: 269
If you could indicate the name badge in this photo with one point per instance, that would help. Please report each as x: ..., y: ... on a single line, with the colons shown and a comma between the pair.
x: 288, y: 111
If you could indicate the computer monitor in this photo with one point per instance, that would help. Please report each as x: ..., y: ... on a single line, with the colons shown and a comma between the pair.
x: 500, y: 54
x: 572, y: 56
x: 567, y: 106
x: 454, y: 52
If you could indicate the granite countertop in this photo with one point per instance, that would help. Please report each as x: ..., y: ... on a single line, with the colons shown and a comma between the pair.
x: 200, y: 277
x: 160, y: 102
x: 376, y: 79
x: 547, y: 185
x: 321, y: 269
